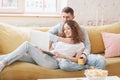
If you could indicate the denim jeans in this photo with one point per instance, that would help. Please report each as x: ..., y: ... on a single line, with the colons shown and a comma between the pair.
x: 28, y: 53
x: 97, y: 61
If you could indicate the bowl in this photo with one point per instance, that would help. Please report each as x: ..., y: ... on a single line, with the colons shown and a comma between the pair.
x: 96, y: 74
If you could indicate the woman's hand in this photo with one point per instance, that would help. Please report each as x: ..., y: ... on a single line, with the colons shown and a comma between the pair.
x: 58, y: 55
x: 84, y: 58
x: 40, y: 50
x: 79, y: 55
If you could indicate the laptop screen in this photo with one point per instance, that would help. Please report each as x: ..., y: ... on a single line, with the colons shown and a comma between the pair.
x: 40, y: 39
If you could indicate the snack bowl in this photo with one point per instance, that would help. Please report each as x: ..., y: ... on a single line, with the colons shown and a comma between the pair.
x: 96, y: 74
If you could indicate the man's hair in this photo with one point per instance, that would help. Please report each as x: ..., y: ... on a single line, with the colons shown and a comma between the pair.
x: 68, y: 10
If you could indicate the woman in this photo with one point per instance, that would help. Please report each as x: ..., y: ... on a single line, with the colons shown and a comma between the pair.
x: 66, y: 53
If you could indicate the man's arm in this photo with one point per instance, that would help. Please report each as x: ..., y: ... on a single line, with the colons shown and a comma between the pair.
x: 60, y: 55
x: 54, y: 31
x: 53, y: 38
x: 87, y: 42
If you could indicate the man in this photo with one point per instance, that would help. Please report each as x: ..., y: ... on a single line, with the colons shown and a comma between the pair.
x: 92, y: 60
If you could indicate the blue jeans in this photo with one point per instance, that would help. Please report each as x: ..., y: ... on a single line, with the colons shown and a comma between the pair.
x: 97, y: 61
x: 26, y: 52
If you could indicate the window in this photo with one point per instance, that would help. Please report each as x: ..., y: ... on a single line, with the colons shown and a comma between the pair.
x: 40, y: 5
x: 11, y: 6
x: 32, y: 6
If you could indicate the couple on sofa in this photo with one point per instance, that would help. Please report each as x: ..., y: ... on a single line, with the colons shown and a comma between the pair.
x: 70, y: 44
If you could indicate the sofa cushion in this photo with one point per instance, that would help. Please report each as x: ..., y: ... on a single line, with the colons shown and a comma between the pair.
x: 33, y: 72
x: 95, y: 36
x: 113, y: 66
x: 28, y: 71
x: 11, y: 37
x: 111, y: 43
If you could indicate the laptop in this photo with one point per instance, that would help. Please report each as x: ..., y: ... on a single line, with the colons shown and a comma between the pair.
x: 40, y: 39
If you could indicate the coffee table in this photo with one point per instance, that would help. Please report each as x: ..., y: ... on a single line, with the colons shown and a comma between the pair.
x: 108, y: 78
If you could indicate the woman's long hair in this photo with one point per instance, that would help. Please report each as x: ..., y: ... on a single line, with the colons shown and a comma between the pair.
x: 77, y: 34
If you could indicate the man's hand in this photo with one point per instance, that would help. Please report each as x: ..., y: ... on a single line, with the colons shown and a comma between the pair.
x: 66, y: 40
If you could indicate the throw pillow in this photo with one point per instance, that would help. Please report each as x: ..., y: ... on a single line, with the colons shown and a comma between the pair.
x: 112, y: 44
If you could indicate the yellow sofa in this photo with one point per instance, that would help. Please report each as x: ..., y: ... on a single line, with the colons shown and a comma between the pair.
x: 11, y: 37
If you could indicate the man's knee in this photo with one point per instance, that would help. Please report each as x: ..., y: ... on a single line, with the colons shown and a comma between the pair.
x: 102, y: 61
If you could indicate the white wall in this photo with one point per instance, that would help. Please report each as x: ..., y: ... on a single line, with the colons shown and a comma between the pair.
x: 87, y: 12
x: 30, y: 21
x: 96, y: 12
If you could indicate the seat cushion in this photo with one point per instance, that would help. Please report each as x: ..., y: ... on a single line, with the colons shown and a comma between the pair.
x: 31, y: 71
x: 113, y: 65
x: 26, y: 71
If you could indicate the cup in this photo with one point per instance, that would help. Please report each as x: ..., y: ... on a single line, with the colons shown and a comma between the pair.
x: 81, y: 61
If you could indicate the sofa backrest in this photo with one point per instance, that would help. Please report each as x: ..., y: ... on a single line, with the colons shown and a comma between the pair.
x: 97, y: 45
x: 11, y: 37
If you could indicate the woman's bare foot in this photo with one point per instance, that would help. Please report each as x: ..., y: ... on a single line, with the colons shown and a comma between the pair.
x: 2, y: 65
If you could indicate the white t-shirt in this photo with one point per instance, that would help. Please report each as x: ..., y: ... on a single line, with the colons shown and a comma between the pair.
x: 67, y: 49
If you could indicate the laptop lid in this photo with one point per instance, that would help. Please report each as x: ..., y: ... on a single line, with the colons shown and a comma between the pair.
x: 40, y: 39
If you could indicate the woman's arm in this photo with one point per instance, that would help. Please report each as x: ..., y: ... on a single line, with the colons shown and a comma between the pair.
x: 78, y: 55
x: 59, y: 55
x: 73, y: 59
